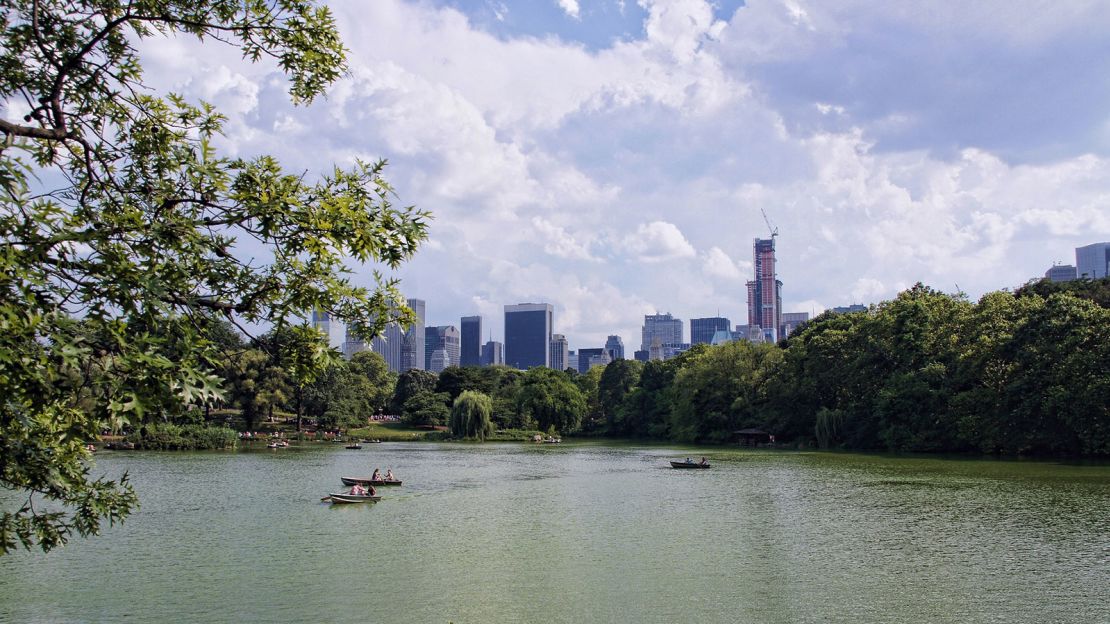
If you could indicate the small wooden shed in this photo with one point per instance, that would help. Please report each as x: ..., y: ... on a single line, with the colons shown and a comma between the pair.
x: 753, y: 437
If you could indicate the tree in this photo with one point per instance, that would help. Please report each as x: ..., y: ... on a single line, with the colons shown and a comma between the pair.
x: 588, y: 383
x: 245, y: 375
x: 426, y: 409
x: 617, y: 380
x: 409, y: 384
x: 717, y: 389
x: 454, y: 380
x: 550, y: 399
x: 380, y: 381
x: 116, y: 208
x: 470, y: 416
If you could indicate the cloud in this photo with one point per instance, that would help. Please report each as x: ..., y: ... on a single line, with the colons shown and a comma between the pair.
x: 878, y: 138
x: 570, y: 7
x: 558, y: 242
x: 717, y: 264
x: 658, y: 241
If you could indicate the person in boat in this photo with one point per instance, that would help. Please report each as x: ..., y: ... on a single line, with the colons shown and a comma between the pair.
x: 358, y: 490
x: 371, y: 491
x: 377, y: 476
x: 389, y: 475
x: 704, y: 462
x: 689, y: 460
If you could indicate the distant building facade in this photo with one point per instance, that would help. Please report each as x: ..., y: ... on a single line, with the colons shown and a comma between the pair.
x: 855, y: 307
x: 470, y: 351
x: 412, y: 343
x: 703, y: 329
x: 614, y: 346
x: 791, y: 321
x: 331, y: 327
x: 392, y: 344
x: 493, y: 354
x: 1093, y: 261
x: 751, y: 333
x: 353, y: 344
x: 560, y: 352
x: 442, y: 347
x: 671, y: 349
x: 586, y: 356
x: 528, y: 329
x: 765, y: 291
x: 1060, y: 273
x: 663, y: 327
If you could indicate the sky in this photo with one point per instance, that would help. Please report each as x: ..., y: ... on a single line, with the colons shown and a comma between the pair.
x: 616, y: 158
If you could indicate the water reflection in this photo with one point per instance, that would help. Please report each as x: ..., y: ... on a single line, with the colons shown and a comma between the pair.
x: 584, y: 532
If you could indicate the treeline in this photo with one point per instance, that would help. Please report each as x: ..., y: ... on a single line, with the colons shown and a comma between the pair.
x: 1017, y: 373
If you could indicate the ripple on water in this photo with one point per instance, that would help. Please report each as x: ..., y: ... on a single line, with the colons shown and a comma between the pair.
x: 515, y: 533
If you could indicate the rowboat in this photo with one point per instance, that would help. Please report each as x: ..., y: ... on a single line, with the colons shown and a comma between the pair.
x: 353, y: 498
x: 354, y: 446
x: 368, y: 481
x: 683, y: 464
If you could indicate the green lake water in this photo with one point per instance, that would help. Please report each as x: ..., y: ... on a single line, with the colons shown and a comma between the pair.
x: 582, y: 533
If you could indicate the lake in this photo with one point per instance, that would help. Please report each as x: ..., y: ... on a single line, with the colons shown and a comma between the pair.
x: 582, y: 532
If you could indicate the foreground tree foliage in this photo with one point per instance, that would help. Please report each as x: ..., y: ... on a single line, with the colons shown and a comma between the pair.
x: 115, y: 208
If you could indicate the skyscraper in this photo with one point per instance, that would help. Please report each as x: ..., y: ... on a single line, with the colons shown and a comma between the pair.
x: 470, y: 353
x: 528, y: 328
x: 412, y: 345
x: 1093, y: 261
x: 703, y: 329
x: 662, y: 326
x: 441, y: 348
x: 395, y: 346
x: 614, y: 346
x: 353, y: 344
x: 493, y: 354
x: 331, y: 328
x: 560, y: 352
x: 588, y: 358
x: 765, y: 291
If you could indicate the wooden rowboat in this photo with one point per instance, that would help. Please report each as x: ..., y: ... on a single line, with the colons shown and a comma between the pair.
x: 368, y: 481
x: 353, y: 498
x: 354, y: 446
x: 675, y: 464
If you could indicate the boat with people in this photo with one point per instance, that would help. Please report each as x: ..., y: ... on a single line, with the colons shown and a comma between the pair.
x: 336, y: 499
x: 278, y: 444
x: 356, y: 446
x: 368, y: 481
x: 689, y: 463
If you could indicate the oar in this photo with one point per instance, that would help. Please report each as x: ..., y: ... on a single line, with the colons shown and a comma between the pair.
x: 325, y: 499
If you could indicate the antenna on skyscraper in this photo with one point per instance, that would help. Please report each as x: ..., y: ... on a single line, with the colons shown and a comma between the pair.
x: 774, y: 230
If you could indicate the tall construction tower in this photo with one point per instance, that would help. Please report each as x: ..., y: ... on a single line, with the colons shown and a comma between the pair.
x: 765, y: 291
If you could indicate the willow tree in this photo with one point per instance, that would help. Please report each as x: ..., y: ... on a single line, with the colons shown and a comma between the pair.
x: 470, y: 416
x: 117, y: 209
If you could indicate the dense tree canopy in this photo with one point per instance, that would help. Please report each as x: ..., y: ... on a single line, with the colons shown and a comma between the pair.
x: 116, y: 208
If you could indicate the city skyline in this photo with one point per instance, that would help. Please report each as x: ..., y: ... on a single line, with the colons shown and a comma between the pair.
x: 616, y: 158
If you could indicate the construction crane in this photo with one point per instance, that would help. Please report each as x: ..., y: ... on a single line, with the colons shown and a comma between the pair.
x: 774, y: 230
